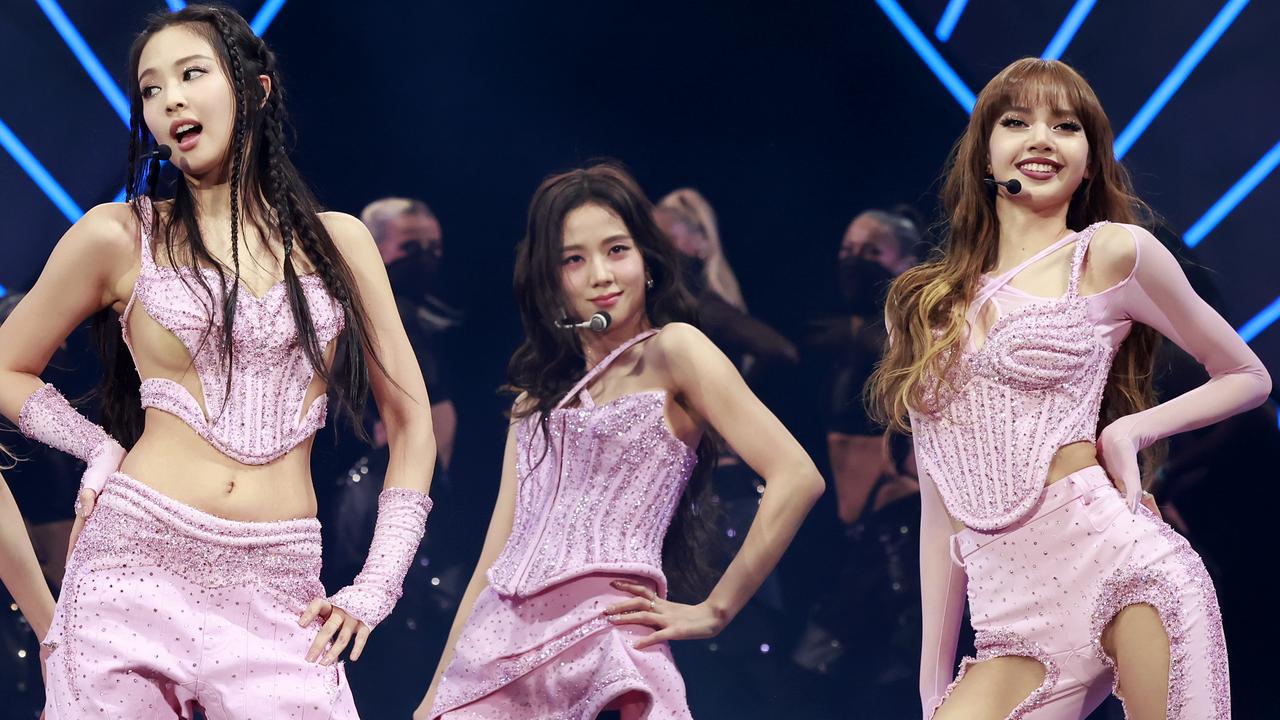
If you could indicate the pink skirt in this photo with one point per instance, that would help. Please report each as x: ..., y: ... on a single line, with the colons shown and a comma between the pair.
x: 555, y: 655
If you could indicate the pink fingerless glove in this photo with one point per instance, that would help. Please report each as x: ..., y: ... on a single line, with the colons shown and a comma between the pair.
x: 402, y: 520
x: 46, y: 416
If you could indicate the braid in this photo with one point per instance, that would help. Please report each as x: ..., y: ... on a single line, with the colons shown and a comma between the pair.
x: 130, y: 179
x: 267, y: 191
x: 237, y: 172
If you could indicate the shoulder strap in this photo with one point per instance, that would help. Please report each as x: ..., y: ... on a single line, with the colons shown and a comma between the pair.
x: 995, y: 284
x: 1077, y: 260
x: 600, y: 366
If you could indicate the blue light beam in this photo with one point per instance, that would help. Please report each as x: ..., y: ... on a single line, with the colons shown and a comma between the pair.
x: 950, y: 16
x: 931, y: 57
x: 1067, y: 32
x: 1188, y: 63
x: 1232, y: 198
x: 85, y: 55
x: 265, y: 15
x: 1261, y: 321
x: 176, y: 5
x: 42, y: 178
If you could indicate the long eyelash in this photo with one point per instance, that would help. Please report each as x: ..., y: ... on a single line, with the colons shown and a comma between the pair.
x: 1072, y: 126
x: 1006, y: 122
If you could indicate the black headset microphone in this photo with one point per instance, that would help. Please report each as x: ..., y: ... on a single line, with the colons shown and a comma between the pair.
x: 162, y: 152
x: 596, y: 323
x: 156, y: 156
x: 1013, y: 186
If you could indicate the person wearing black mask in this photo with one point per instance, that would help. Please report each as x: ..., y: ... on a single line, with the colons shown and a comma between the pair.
x: 867, y: 624
x: 411, y: 243
x: 876, y: 248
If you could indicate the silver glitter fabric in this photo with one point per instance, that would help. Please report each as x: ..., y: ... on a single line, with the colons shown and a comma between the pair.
x: 1047, y: 587
x: 597, y: 495
x: 1033, y: 386
x: 263, y: 416
x: 165, y: 607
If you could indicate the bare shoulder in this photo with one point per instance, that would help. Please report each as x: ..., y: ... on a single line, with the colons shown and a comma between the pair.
x: 348, y: 233
x: 1113, y: 254
x: 676, y: 340
x: 353, y: 241
x: 108, y: 230
x: 679, y: 349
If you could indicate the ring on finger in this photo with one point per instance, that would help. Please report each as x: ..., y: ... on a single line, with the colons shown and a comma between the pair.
x: 653, y: 603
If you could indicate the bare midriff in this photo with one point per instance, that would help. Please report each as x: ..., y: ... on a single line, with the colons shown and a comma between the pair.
x: 180, y: 464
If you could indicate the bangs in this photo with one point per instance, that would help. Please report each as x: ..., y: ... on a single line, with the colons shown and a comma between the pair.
x: 1033, y: 83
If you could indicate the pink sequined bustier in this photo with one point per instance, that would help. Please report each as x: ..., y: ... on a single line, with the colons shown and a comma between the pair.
x: 1033, y: 386
x: 602, y: 496
x: 262, y: 418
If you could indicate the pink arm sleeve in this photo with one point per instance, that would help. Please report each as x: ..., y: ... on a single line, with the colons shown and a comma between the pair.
x: 402, y: 520
x: 46, y: 416
x: 942, y: 597
x: 1158, y: 295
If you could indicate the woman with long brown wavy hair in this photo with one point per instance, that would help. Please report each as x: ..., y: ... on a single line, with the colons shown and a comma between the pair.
x: 1034, y: 327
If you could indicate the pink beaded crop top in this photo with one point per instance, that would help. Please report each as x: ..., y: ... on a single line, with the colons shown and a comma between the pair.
x: 1036, y: 383
x: 1033, y: 386
x: 262, y: 418
x: 601, y: 497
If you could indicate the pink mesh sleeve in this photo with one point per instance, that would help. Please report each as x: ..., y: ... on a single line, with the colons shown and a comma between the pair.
x: 942, y: 597
x: 402, y: 520
x: 46, y: 416
x: 942, y: 592
x: 1159, y: 295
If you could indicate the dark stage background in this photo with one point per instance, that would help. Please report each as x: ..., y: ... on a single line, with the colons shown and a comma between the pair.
x: 789, y: 117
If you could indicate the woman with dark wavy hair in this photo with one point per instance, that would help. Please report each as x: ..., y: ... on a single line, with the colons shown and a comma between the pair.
x: 567, y: 613
x: 193, y: 581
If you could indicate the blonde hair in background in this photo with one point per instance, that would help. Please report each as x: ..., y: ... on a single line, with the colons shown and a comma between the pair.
x: 719, y: 276
x: 376, y: 214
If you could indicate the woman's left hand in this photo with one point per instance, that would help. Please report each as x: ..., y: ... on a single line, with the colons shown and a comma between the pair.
x: 673, y: 620
x: 1118, y: 453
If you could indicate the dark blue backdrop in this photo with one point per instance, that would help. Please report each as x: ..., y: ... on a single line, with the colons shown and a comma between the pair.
x: 790, y: 117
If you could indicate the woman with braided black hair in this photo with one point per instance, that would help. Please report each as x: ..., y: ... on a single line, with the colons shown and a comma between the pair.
x: 193, y: 582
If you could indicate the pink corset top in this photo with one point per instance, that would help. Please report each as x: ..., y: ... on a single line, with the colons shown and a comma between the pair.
x: 1033, y: 386
x: 598, y: 494
x: 262, y: 418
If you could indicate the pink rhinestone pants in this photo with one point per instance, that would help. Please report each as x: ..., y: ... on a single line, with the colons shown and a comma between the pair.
x: 166, y: 608
x: 1047, y: 586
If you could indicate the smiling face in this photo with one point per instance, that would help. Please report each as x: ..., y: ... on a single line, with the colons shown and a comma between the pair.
x: 1044, y: 148
x: 601, y: 267
x: 187, y: 99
